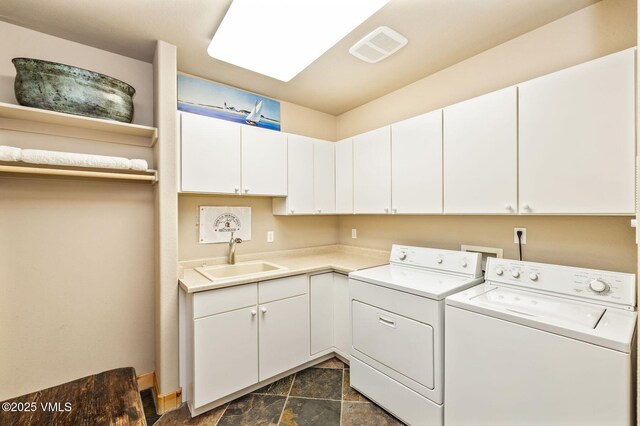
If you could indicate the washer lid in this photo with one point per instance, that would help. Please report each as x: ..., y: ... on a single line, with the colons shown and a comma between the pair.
x: 609, y: 327
x: 433, y: 285
x: 544, y: 308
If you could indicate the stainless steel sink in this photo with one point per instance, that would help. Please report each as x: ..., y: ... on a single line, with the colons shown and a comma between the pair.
x: 217, y: 272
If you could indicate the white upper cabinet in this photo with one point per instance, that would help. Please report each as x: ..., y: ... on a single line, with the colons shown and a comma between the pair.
x: 210, y: 155
x: 577, y: 149
x: 300, y: 198
x: 264, y: 162
x: 416, y: 164
x: 480, y: 154
x: 344, y: 176
x: 372, y: 171
x: 324, y: 182
x: 311, y: 178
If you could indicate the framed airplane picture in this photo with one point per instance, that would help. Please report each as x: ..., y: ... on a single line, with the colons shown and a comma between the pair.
x: 204, y: 97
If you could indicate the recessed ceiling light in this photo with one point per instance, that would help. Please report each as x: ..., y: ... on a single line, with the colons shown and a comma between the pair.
x: 280, y: 38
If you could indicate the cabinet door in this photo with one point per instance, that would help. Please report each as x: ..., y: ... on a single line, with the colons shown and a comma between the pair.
x: 577, y: 140
x: 225, y: 354
x: 210, y: 155
x: 480, y: 154
x: 284, y: 335
x: 264, y: 162
x: 416, y: 164
x: 300, y: 180
x: 341, y: 320
x: 324, y: 173
x: 344, y: 176
x: 372, y: 172
x: 321, y: 315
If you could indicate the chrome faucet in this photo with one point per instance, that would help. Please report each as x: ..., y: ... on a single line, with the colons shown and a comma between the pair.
x: 232, y: 249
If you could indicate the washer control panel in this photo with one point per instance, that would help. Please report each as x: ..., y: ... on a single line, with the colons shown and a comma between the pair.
x: 605, y: 286
x: 466, y: 263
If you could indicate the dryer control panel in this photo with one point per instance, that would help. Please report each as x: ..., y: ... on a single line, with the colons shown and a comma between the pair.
x: 450, y: 261
x: 615, y: 288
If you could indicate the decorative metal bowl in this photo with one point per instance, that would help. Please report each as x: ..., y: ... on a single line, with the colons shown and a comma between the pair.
x: 72, y: 90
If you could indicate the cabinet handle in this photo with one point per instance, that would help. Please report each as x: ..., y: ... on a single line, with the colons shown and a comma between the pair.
x: 263, y: 310
x: 237, y: 190
x: 526, y: 207
x: 508, y: 207
x: 253, y: 312
x: 292, y: 211
x: 386, y: 209
x: 246, y: 190
x: 319, y: 210
x: 395, y: 210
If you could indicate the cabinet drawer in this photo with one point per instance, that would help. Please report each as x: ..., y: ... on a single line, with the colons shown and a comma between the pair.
x: 224, y: 300
x: 283, y: 288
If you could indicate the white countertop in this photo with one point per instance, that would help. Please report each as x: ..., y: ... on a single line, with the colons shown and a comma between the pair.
x: 336, y: 258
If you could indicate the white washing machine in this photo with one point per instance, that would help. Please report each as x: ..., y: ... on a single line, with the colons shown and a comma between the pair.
x: 541, y: 344
x: 397, y: 314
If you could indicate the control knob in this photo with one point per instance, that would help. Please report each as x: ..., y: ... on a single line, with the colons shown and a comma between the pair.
x: 598, y: 286
x: 499, y: 271
x: 533, y: 276
x: 515, y: 273
x: 439, y: 260
x: 403, y: 255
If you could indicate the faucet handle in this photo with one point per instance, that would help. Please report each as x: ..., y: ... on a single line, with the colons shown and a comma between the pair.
x: 238, y: 240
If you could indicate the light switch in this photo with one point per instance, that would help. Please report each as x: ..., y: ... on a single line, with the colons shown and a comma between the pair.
x: 269, y: 236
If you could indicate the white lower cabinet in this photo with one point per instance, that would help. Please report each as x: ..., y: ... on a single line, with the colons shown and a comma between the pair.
x: 284, y: 335
x: 321, y: 289
x: 225, y: 354
x: 239, y: 336
x: 341, y: 315
x: 330, y: 322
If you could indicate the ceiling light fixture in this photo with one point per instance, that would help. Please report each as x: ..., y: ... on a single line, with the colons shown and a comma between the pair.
x: 280, y: 38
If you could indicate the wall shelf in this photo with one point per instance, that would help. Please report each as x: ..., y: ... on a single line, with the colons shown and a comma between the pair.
x: 39, y: 170
x: 34, y: 120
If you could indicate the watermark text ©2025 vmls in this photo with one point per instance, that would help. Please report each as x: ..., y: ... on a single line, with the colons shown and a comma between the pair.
x: 37, y: 406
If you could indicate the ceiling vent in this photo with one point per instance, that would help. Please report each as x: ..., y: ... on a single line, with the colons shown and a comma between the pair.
x: 379, y: 44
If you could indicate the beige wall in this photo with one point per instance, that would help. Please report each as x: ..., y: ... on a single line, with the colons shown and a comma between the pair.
x: 76, y: 281
x: 289, y: 231
x: 76, y: 257
x: 591, y: 242
x: 308, y: 122
x: 605, y: 27
x: 16, y: 41
x: 595, y: 242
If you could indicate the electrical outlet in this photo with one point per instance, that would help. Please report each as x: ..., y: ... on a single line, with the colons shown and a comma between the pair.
x: 354, y: 233
x: 524, y: 235
x: 269, y: 236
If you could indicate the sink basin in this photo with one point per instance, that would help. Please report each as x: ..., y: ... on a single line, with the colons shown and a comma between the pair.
x: 217, y: 272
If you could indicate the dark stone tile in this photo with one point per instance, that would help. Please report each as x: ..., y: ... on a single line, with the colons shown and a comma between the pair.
x: 349, y: 393
x: 182, y: 416
x: 279, y: 387
x: 331, y: 363
x: 149, y: 405
x: 253, y: 410
x: 324, y: 383
x: 304, y: 412
x: 366, y: 413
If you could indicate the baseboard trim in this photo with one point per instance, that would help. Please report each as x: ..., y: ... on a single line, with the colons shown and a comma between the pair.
x: 168, y: 401
x: 146, y: 381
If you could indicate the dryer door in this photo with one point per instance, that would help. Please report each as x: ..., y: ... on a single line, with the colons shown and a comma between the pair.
x: 398, y: 342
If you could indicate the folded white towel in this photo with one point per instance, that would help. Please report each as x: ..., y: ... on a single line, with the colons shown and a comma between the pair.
x: 55, y: 158
x: 139, y: 165
x: 10, y: 153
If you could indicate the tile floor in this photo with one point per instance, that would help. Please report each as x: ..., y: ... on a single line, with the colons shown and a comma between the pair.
x: 319, y: 395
